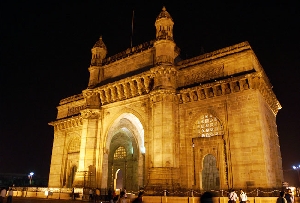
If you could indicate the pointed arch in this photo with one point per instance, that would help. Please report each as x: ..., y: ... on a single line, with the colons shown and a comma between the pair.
x: 125, y: 133
x: 130, y: 120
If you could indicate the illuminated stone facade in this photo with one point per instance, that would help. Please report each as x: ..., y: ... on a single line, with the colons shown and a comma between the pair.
x: 150, y: 119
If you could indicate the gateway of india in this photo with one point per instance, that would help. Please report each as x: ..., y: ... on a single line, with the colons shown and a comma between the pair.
x: 149, y: 119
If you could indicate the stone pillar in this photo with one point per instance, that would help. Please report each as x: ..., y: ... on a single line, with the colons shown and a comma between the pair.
x: 58, y: 156
x: 88, y: 146
x: 163, y: 162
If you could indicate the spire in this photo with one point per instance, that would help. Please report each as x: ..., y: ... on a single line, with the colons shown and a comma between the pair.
x: 164, y: 25
x: 99, y: 52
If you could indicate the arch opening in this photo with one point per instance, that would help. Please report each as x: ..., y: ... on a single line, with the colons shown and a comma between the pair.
x: 125, y: 146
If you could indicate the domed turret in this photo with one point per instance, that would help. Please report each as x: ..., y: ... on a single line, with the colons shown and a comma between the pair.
x: 164, y: 44
x: 164, y: 25
x: 99, y: 52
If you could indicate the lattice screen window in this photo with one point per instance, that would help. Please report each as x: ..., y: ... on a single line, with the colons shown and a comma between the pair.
x: 74, y: 146
x: 207, y: 126
x: 120, y: 153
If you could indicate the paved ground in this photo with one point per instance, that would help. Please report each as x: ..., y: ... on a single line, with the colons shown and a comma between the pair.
x: 37, y: 200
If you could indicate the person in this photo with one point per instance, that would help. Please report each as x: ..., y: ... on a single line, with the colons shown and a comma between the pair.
x: 289, y: 196
x: 122, y: 198
x: 73, y: 194
x: 97, y: 195
x: 243, y: 196
x: 2, y: 195
x: 232, y: 196
x: 281, y: 198
x: 90, y: 195
x: 9, y: 196
x: 206, y: 197
x: 139, y: 198
x: 125, y: 195
x: 110, y: 196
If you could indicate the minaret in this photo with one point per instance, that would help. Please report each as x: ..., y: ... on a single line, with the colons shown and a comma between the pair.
x: 164, y: 44
x: 99, y: 52
x: 164, y: 52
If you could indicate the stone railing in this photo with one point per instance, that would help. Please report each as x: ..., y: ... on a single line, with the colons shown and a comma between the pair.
x: 71, y: 99
x: 128, y: 52
x: 217, y: 53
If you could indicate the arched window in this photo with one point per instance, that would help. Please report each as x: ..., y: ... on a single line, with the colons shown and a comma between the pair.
x: 74, y: 145
x: 120, y: 153
x: 207, y: 126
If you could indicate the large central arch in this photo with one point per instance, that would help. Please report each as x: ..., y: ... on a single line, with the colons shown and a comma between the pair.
x: 124, y: 162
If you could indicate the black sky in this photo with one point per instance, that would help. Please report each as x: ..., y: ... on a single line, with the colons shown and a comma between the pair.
x: 45, y: 55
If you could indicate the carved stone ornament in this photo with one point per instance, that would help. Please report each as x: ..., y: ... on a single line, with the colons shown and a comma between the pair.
x: 206, y: 74
x: 88, y: 113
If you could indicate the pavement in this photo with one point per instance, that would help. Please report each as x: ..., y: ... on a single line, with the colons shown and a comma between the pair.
x: 44, y: 200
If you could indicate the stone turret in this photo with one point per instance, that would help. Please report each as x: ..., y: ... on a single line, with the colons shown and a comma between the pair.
x: 164, y: 44
x: 164, y: 25
x: 99, y: 52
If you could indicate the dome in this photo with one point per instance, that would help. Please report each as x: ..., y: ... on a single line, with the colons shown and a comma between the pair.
x: 164, y: 14
x: 100, y: 44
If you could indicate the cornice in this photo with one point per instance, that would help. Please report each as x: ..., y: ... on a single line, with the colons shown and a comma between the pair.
x: 67, y: 123
x: 254, y: 81
x: 71, y: 99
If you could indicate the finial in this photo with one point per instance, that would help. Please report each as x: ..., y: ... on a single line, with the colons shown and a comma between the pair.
x: 164, y: 8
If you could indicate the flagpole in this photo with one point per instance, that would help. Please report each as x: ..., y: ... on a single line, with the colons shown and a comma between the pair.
x: 132, y: 28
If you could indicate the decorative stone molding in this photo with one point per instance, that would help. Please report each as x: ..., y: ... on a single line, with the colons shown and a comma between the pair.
x: 163, y: 95
x: 75, y: 110
x: 90, y: 114
x: 231, y: 85
x: 128, y: 52
x: 160, y: 70
x: 71, y: 99
x: 124, y: 89
x: 63, y: 124
x: 205, y: 75
x: 215, y: 54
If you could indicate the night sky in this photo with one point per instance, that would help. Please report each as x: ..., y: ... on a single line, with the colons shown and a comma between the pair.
x: 45, y: 54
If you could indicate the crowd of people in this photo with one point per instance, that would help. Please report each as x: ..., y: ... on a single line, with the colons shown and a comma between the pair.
x: 284, y: 197
x: 113, y: 197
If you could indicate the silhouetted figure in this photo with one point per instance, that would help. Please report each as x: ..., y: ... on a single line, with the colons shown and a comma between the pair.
x: 281, y: 198
x: 289, y: 196
x: 206, y: 197
x: 9, y: 196
x: 139, y: 198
